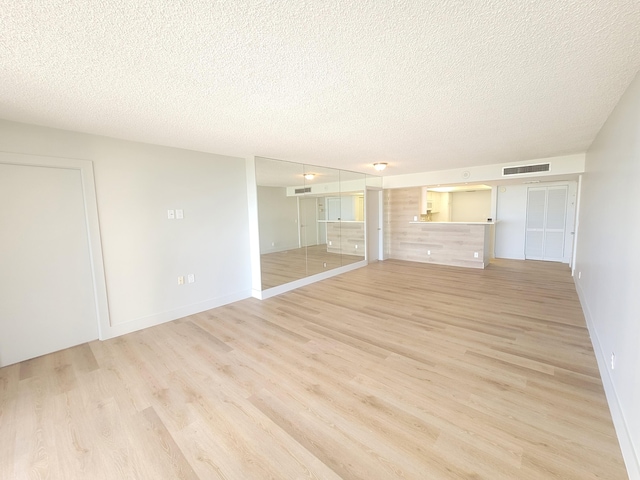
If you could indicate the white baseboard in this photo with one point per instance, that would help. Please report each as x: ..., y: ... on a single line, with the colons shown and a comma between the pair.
x: 619, y: 422
x: 510, y: 257
x: 174, y: 314
x: 272, y: 292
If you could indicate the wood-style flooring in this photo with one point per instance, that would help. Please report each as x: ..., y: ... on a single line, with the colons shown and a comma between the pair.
x: 395, y: 370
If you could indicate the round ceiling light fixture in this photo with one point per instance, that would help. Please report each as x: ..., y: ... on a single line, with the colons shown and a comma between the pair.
x: 380, y: 166
x: 309, y: 176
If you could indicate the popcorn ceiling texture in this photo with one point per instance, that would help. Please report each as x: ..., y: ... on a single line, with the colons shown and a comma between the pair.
x: 421, y: 85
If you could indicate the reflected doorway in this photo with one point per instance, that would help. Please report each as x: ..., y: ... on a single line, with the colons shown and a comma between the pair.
x: 308, y: 222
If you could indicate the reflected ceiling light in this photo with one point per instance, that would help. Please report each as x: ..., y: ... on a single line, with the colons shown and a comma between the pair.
x: 309, y: 176
x: 380, y: 166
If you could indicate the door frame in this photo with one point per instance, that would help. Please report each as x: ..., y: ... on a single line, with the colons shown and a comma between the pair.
x: 377, y: 220
x: 85, y: 167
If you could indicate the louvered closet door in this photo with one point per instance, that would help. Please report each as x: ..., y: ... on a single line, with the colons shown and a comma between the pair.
x: 534, y: 239
x: 546, y: 220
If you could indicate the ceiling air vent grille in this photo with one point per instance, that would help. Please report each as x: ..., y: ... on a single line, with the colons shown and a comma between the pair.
x: 303, y: 190
x: 541, y: 167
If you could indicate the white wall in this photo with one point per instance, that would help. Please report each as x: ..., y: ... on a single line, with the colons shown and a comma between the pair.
x: 563, y: 165
x: 144, y: 252
x: 608, y: 259
x: 444, y: 209
x: 277, y: 219
x: 511, y: 215
x: 471, y: 206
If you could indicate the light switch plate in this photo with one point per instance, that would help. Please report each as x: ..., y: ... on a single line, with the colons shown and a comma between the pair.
x: 171, y: 214
x: 180, y: 214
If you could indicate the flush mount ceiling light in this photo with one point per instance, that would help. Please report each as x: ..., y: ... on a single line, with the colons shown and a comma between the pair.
x: 309, y: 176
x: 380, y: 166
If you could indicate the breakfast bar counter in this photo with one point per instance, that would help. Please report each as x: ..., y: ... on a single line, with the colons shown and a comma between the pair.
x: 462, y: 244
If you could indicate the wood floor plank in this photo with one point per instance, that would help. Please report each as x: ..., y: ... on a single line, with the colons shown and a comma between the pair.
x: 162, y: 451
x: 396, y: 370
x: 34, y: 452
x: 9, y: 378
x: 318, y: 433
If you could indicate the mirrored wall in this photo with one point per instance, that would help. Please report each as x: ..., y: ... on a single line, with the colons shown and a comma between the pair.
x: 310, y: 219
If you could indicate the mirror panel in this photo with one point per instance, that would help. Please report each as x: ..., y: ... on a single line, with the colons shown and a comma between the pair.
x: 282, y: 257
x: 310, y: 219
x: 324, y: 185
x: 352, y: 227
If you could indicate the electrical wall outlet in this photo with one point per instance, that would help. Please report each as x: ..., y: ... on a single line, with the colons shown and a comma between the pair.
x: 191, y: 278
x: 475, y: 254
x: 428, y: 252
x: 180, y: 214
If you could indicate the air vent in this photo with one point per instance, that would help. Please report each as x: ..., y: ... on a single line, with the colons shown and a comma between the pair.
x: 303, y: 190
x: 541, y: 167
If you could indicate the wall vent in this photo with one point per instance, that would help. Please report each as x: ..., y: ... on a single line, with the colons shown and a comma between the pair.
x: 303, y: 190
x: 541, y: 167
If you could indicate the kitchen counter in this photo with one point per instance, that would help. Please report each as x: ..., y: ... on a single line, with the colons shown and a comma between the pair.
x: 345, y: 236
x: 458, y: 223
x: 340, y: 221
x: 462, y: 244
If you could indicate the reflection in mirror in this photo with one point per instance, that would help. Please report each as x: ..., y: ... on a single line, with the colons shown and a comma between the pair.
x: 282, y: 257
x: 351, y: 225
x: 310, y: 219
x: 321, y: 255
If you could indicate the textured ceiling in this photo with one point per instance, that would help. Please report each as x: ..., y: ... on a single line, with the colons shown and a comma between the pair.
x: 421, y: 85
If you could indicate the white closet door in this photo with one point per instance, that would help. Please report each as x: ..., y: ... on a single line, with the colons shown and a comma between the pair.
x: 47, y: 300
x: 546, y: 223
x: 556, y: 215
x: 534, y: 239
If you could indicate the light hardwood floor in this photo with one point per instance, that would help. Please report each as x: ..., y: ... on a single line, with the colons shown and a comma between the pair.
x: 395, y: 370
